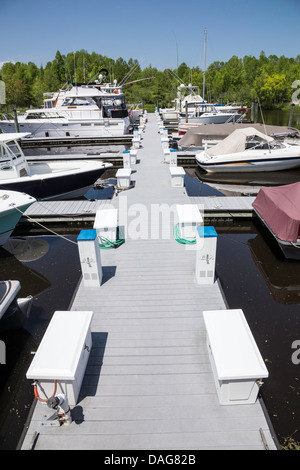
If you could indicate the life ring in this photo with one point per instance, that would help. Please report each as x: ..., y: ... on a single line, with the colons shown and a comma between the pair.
x: 245, y: 110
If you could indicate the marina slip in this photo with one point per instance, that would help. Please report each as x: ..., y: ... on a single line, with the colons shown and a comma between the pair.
x: 148, y: 357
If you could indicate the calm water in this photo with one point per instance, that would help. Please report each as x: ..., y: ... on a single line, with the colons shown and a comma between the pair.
x: 280, y: 118
x: 255, y: 277
x: 48, y: 268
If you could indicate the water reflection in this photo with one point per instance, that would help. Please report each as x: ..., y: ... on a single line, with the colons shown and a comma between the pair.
x: 281, y: 276
x: 241, y: 184
x: 48, y: 268
x: 256, y: 278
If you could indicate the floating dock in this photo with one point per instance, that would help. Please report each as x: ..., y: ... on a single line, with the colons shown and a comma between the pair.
x: 71, y: 141
x: 149, y: 384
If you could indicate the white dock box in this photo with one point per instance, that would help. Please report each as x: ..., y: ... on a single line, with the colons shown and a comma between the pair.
x: 62, y: 355
x: 123, y: 177
x: 235, y: 358
x: 177, y: 176
x: 106, y: 224
x: 189, y: 218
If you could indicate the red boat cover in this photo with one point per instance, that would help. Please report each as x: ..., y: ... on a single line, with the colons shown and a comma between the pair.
x: 279, y: 207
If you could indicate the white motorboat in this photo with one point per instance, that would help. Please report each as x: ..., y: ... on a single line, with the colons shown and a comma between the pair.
x: 45, y: 180
x: 192, y: 99
x: 205, y: 113
x: 13, y: 312
x: 12, y: 205
x: 278, y: 208
x: 249, y: 150
x: 83, y: 111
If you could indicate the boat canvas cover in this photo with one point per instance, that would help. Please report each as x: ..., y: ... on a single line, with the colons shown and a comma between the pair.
x: 279, y: 207
x: 236, y: 142
x: 196, y: 134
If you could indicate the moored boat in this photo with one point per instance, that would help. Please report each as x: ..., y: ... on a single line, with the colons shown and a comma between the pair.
x: 45, y: 180
x: 82, y: 111
x: 278, y: 208
x: 12, y: 205
x: 13, y: 311
x: 249, y: 150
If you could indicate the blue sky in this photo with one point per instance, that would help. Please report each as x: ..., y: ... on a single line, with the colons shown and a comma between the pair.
x: 160, y: 33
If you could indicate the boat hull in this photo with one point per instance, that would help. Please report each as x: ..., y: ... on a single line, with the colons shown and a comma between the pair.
x: 13, y: 312
x: 88, y: 128
x: 9, y: 219
x: 290, y: 250
x: 259, y: 165
x: 211, y: 119
x: 55, y: 186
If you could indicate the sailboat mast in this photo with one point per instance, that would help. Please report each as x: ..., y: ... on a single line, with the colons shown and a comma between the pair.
x: 203, y: 93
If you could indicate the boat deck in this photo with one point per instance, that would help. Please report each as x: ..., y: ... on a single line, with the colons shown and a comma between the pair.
x: 149, y: 384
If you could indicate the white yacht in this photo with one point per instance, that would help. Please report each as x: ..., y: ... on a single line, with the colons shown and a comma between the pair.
x: 191, y: 99
x: 83, y: 111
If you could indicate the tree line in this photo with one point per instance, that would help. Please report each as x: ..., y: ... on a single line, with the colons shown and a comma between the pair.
x: 267, y: 79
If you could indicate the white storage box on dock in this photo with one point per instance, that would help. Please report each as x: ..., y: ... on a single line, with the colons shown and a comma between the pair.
x: 177, y: 176
x: 123, y: 177
x: 106, y: 224
x: 189, y: 218
x: 63, y: 354
x: 235, y: 358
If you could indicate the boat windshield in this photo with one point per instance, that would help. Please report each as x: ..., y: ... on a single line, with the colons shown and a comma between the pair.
x: 262, y: 145
x: 9, y: 150
x: 113, y: 102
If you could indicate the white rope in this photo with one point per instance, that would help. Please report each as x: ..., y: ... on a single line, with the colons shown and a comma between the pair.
x: 46, y: 228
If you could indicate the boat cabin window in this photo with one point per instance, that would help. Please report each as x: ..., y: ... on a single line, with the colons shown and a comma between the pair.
x: 79, y: 101
x: 49, y: 103
x: 114, y: 106
x: 42, y: 115
x: 113, y: 102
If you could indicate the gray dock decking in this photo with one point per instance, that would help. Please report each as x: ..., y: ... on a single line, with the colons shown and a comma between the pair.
x: 149, y: 383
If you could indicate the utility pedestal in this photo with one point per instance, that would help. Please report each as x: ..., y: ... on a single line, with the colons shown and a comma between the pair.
x: 126, y: 159
x: 90, y: 258
x: 206, y: 244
